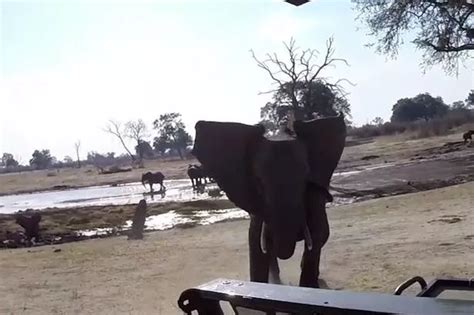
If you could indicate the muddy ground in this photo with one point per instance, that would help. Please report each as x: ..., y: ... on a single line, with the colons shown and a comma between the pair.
x: 374, y: 245
x: 63, y: 225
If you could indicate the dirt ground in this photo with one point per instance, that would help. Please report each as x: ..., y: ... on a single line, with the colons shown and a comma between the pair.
x: 374, y: 245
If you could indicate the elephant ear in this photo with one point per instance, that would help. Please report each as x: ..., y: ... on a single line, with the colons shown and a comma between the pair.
x: 325, y: 140
x: 226, y: 151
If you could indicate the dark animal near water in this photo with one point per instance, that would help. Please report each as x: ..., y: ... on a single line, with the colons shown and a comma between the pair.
x: 468, y: 136
x: 283, y: 185
x: 154, y: 178
x: 30, y: 224
x: 138, y: 221
x: 197, y: 175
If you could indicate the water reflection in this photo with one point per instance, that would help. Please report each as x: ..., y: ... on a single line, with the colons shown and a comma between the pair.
x: 174, y: 219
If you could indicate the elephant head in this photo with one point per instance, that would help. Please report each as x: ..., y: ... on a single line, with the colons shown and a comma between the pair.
x: 145, y: 177
x: 277, y: 181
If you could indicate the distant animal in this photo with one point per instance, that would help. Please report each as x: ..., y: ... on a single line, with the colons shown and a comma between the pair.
x: 153, y: 178
x: 30, y: 224
x: 468, y: 135
x: 197, y: 175
x: 215, y: 193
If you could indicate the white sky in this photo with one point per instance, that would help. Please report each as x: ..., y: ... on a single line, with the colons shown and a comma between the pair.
x: 67, y: 67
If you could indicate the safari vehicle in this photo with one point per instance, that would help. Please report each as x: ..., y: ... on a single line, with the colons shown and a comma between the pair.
x: 271, y: 298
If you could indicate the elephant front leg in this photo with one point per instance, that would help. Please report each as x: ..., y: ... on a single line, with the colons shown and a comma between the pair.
x: 259, y: 262
x: 319, y: 230
x: 310, y: 268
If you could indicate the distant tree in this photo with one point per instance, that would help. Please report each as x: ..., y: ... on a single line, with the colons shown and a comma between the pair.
x: 144, y: 149
x: 422, y: 106
x: 171, y: 134
x: 101, y: 160
x: 443, y: 29
x: 470, y: 99
x: 314, y: 98
x: 8, y: 160
x: 161, y: 144
x: 458, y: 105
x: 115, y: 128
x: 77, y: 146
x: 68, y: 160
x: 41, y: 159
x: 137, y: 131
x: 300, y: 85
x: 377, y: 121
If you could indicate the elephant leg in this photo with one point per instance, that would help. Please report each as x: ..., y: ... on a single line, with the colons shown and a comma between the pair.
x: 310, y: 267
x: 259, y: 262
x: 151, y: 187
x: 274, y: 270
x: 319, y: 229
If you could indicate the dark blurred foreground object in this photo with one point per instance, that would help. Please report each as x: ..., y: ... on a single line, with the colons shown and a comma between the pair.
x: 30, y: 224
x: 138, y: 222
x: 271, y: 298
x: 297, y: 2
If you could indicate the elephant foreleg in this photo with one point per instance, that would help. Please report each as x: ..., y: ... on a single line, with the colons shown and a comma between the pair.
x: 319, y: 229
x: 259, y: 262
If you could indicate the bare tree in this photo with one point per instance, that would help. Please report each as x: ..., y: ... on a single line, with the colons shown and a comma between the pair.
x: 296, y: 78
x: 115, y: 128
x: 77, y: 146
x: 137, y: 131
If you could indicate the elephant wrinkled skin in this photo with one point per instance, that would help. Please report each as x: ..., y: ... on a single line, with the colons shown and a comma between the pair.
x: 283, y: 185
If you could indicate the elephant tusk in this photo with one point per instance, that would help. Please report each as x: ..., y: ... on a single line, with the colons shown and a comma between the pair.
x: 263, y: 239
x: 307, y: 238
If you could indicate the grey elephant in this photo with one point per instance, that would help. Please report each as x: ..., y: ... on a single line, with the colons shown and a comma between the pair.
x: 283, y: 185
x: 154, y: 178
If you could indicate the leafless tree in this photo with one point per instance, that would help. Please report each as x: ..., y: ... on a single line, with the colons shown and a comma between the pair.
x: 115, y: 128
x: 296, y: 77
x: 137, y: 131
x: 77, y: 146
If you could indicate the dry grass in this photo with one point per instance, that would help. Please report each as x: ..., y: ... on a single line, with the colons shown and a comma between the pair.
x: 374, y: 246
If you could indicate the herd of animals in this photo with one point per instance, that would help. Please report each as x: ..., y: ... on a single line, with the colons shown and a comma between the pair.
x: 197, y: 174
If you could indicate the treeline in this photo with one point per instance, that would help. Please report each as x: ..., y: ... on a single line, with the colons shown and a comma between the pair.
x: 423, y: 115
x: 167, y: 138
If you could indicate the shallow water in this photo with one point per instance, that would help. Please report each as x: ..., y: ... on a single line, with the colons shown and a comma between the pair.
x: 173, y: 219
x: 177, y: 190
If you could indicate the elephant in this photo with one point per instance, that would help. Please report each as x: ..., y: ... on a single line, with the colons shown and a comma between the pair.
x: 153, y: 178
x: 197, y: 174
x: 30, y: 224
x: 468, y: 135
x: 283, y: 185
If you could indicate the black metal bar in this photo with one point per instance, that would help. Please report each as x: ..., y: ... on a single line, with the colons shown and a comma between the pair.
x: 297, y: 300
x: 402, y: 287
x: 437, y: 286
